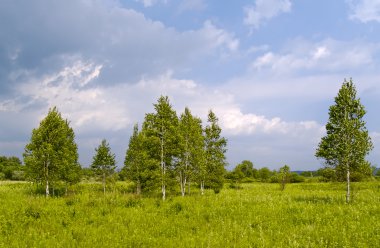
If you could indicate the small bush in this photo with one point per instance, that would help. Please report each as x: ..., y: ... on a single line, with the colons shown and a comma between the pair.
x: 296, y: 178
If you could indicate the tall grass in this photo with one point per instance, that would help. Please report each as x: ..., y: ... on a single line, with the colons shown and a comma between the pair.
x: 258, y: 215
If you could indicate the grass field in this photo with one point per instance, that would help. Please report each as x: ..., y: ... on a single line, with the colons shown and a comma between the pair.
x: 258, y: 215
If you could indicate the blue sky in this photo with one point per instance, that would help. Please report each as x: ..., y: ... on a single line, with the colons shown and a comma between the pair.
x: 269, y: 69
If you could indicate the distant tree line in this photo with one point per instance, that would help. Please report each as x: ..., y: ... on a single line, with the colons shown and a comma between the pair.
x: 246, y: 172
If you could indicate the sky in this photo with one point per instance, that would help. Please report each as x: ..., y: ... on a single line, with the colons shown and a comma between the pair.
x: 269, y: 69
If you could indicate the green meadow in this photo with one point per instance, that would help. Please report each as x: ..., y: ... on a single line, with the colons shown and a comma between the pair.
x: 257, y: 215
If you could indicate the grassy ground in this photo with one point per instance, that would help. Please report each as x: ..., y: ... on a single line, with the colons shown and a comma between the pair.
x: 259, y: 215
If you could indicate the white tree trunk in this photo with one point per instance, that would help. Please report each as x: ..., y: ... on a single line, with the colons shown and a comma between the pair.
x: 163, y: 192
x: 47, y: 179
x: 182, y: 184
x: 47, y: 188
x: 202, y: 187
x: 348, y: 196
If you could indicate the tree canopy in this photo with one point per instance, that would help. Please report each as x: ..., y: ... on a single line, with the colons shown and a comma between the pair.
x: 103, y: 162
x: 215, y: 149
x: 161, y: 130
x: 52, y: 153
x: 347, y: 142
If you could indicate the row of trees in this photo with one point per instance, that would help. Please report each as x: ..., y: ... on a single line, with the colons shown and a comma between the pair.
x: 168, y: 149
x: 171, y: 149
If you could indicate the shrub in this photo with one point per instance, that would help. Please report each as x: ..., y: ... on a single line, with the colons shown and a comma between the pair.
x: 296, y: 178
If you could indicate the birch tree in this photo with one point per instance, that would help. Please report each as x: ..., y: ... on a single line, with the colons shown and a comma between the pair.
x: 191, y: 143
x: 162, y: 137
x: 215, y: 159
x: 103, y: 162
x: 137, y: 165
x: 52, y: 153
x: 347, y: 142
x: 284, y: 176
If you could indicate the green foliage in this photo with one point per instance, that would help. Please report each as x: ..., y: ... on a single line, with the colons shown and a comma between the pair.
x: 308, y: 173
x: 215, y: 149
x: 138, y: 166
x: 11, y: 168
x: 246, y: 167
x: 52, y: 153
x: 191, y: 157
x: 87, y: 174
x: 296, y: 178
x: 162, y: 143
x: 103, y: 162
x: 327, y: 174
x: 305, y: 215
x: 347, y: 142
x: 236, y: 177
x: 264, y: 174
x: 284, y: 176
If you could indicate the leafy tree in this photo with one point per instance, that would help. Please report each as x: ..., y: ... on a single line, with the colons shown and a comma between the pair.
x: 137, y: 165
x: 347, y: 142
x: 246, y: 167
x: 236, y: 176
x: 191, y: 144
x: 103, y: 162
x: 52, y: 151
x: 327, y: 174
x: 215, y: 149
x: 264, y: 174
x: 162, y: 144
x: 296, y: 178
x: 284, y: 176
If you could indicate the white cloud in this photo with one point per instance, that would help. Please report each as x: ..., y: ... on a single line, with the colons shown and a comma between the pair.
x: 327, y: 55
x: 235, y: 122
x: 220, y: 37
x: 264, y: 10
x: 365, y: 10
x: 110, y: 108
x: 66, y: 89
x: 321, y: 52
